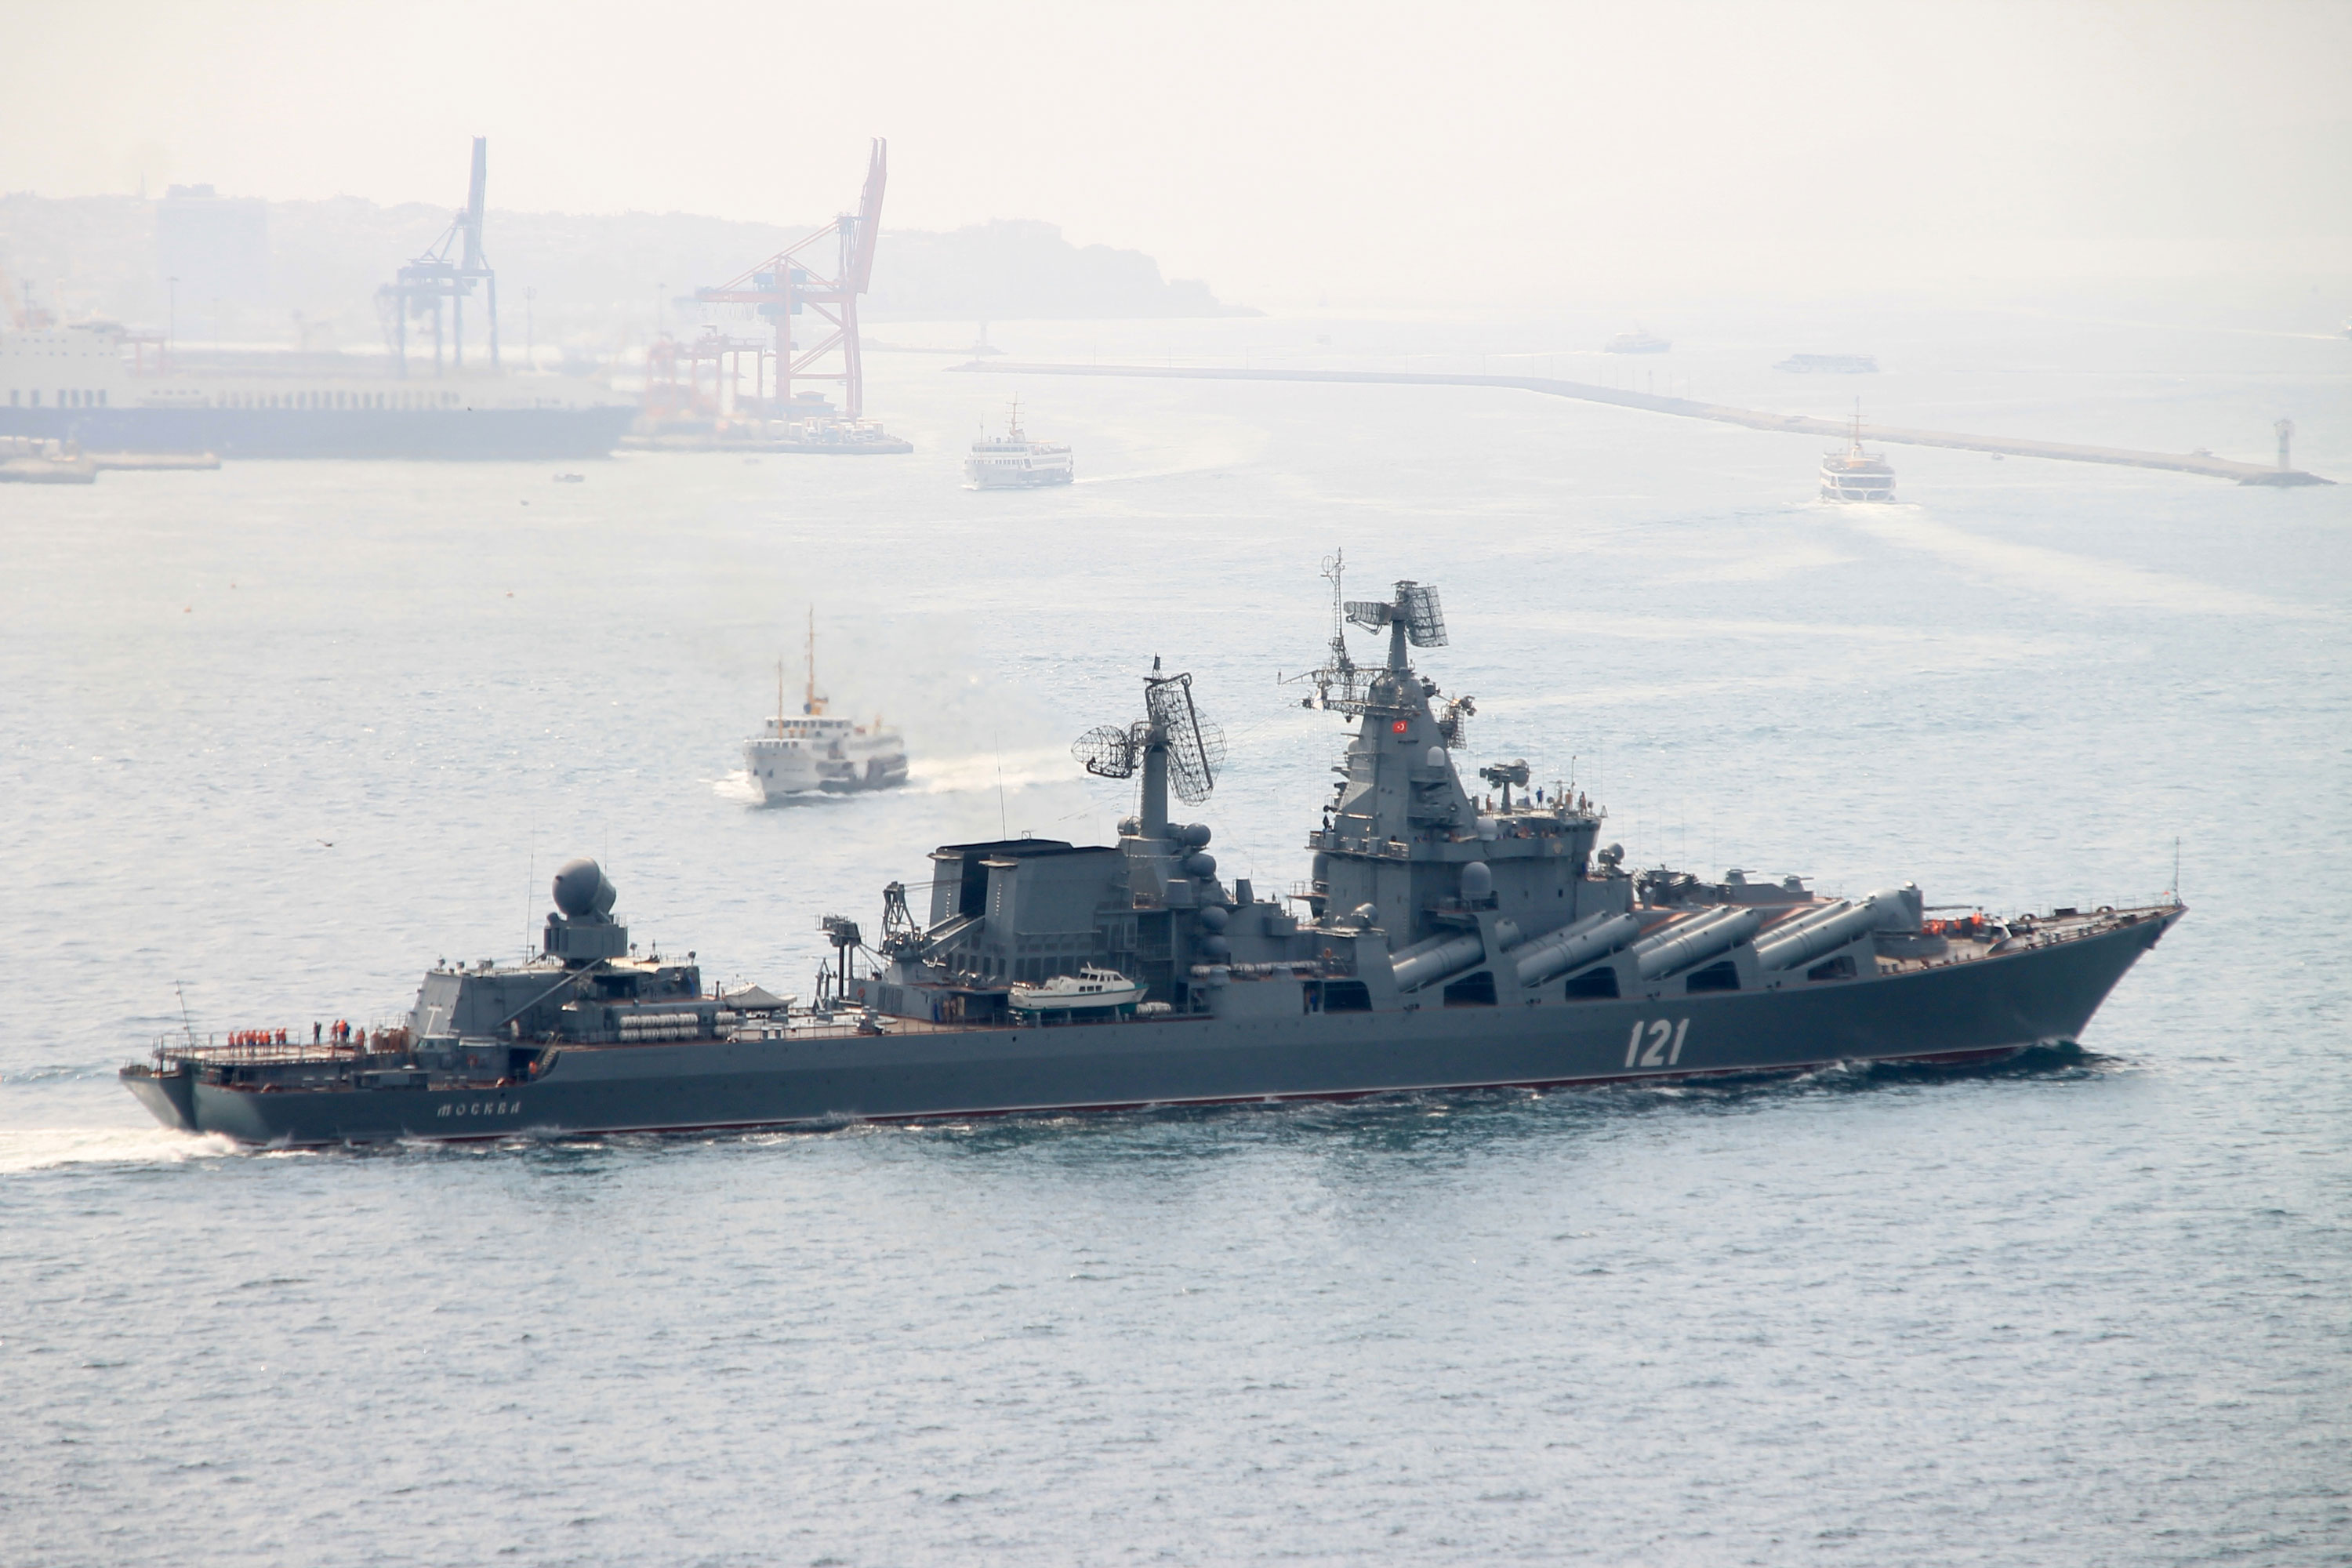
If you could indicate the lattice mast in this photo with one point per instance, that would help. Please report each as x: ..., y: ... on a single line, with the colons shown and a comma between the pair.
x: 1339, y: 683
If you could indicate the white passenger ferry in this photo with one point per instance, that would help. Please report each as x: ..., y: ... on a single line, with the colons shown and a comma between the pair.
x: 1013, y: 462
x: 1856, y: 475
x: 812, y: 750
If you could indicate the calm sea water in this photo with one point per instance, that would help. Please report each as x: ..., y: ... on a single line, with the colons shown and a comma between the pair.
x: 275, y: 738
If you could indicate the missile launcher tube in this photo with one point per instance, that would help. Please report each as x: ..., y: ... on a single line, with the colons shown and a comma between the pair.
x: 1805, y: 919
x: 1833, y: 930
x: 1694, y: 941
x: 1573, y: 946
x: 1423, y: 961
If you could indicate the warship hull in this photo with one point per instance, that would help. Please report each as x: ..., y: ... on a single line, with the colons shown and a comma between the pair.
x: 1267, y: 1048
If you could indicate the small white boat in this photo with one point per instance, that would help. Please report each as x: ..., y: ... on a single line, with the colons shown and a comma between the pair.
x: 1089, y: 990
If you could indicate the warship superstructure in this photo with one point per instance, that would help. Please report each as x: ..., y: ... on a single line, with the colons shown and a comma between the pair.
x: 1444, y: 940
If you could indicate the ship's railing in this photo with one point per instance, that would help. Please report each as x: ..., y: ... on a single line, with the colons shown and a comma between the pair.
x: 212, y: 1049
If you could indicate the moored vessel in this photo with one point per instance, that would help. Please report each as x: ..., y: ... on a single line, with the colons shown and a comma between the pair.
x: 1444, y: 940
x: 79, y: 383
x: 840, y: 438
x: 1836, y: 364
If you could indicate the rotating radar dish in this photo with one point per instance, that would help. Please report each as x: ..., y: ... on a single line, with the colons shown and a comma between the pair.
x: 1417, y: 607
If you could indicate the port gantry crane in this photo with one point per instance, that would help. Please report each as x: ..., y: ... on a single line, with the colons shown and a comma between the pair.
x: 788, y: 284
x: 429, y: 279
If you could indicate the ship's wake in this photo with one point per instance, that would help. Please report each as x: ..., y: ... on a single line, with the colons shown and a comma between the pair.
x: 987, y: 770
x: 979, y: 771
x: 52, y: 1148
x: 2083, y: 578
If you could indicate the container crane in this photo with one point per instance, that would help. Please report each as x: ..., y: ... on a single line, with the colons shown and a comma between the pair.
x: 426, y: 281
x: 788, y: 284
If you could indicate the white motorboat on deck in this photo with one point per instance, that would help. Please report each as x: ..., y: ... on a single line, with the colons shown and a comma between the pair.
x: 1090, y: 989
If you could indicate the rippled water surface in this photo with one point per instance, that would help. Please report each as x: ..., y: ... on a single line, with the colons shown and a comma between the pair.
x: 273, y: 739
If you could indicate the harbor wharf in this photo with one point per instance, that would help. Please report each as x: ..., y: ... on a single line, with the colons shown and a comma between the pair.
x: 2202, y: 463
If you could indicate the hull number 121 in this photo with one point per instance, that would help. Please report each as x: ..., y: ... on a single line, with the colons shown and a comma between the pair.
x: 1664, y: 1043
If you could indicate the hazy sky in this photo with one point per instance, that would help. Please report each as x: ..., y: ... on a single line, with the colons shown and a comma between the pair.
x: 1368, y: 151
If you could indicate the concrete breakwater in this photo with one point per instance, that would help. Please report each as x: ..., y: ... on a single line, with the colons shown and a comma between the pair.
x: 2203, y: 463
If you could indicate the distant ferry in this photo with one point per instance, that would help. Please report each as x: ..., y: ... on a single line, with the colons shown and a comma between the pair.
x: 1013, y: 462
x: 1856, y: 474
x: 72, y: 383
x: 1636, y: 342
x: 812, y: 750
x: 1839, y: 364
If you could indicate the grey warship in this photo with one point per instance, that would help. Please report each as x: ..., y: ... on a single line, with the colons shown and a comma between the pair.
x: 1445, y: 941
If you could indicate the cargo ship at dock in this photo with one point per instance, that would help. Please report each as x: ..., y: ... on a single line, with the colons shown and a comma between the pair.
x: 1441, y: 942
x: 81, y: 383
x: 104, y: 389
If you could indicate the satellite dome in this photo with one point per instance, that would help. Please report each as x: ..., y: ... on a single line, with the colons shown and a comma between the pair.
x: 1477, y: 881
x: 582, y: 890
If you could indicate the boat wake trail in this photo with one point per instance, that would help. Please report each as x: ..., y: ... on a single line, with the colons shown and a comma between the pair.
x: 983, y: 771
x: 2083, y: 579
x: 738, y: 786
x: 50, y: 1148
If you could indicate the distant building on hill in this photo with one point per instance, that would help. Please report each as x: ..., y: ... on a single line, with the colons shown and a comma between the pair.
x: 217, y: 246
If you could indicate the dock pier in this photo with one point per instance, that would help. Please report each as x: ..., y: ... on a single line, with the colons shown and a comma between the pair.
x: 2203, y: 463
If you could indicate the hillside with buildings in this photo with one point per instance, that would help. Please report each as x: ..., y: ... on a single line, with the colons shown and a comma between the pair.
x: 250, y: 271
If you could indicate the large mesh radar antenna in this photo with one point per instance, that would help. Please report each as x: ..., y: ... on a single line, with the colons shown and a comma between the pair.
x: 1424, y: 621
x: 1415, y: 606
x: 1110, y: 752
x: 1196, y: 748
